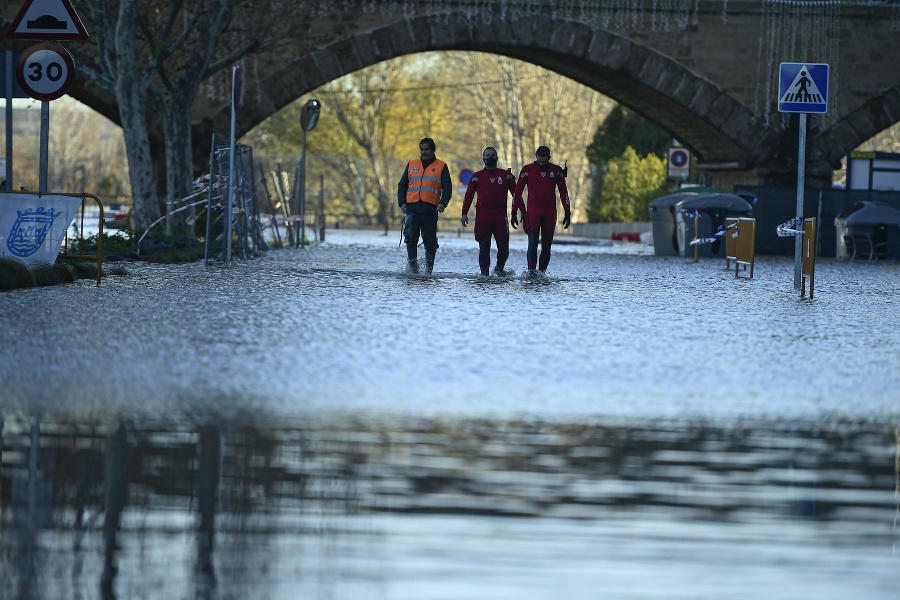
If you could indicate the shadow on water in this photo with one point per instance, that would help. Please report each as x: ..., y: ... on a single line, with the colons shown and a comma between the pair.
x: 273, y: 507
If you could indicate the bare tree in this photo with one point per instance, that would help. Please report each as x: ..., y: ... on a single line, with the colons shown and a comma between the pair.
x: 365, y: 106
x: 163, y: 51
x: 526, y: 106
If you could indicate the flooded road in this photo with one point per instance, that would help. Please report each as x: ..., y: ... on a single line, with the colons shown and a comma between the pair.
x: 316, y: 423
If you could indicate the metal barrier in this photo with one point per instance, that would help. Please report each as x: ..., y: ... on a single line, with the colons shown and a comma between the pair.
x: 808, y: 257
x: 730, y: 244
x: 99, y: 255
x: 744, y: 245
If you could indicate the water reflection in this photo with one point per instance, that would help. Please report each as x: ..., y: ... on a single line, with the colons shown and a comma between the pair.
x: 359, y: 506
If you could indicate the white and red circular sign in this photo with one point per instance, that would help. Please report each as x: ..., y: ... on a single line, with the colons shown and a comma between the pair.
x: 46, y: 71
x: 678, y: 158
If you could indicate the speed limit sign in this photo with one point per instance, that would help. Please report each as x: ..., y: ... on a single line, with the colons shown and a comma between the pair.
x: 46, y: 71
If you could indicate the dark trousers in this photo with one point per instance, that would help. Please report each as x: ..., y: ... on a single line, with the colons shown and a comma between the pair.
x: 424, y: 224
x: 540, y: 227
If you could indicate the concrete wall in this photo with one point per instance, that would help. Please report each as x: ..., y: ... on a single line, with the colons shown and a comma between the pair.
x: 605, y: 230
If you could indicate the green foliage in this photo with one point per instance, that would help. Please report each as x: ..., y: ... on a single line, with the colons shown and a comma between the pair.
x: 618, y: 145
x: 623, y: 129
x: 630, y: 184
x: 15, y: 274
x: 122, y: 241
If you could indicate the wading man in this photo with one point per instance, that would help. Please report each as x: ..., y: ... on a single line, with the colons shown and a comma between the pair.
x: 541, y: 178
x: 423, y: 192
x: 492, y: 186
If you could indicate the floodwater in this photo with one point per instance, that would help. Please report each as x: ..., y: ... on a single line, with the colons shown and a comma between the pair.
x: 315, y: 423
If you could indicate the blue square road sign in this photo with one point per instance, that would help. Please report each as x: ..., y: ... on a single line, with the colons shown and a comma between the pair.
x: 803, y: 88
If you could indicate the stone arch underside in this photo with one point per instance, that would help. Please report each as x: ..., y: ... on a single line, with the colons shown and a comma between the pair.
x: 873, y: 117
x: 712, y: 123
x: 709, y: 121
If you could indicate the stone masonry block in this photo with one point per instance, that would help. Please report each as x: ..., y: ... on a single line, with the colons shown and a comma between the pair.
x: 328, y: 64
x: 442, y: 31
x: 703, y: 100
x: 655, y: 65
x: 862, y: 122
x: 345, y: 51
x: 365, y: 49
x: 636, y: 62
x: 581, y: 39
x: 599, y: 47
x: 523, y: 32
x: 888, y: 111
x: 544, y: 29
x: 723, y: 106
x: 420, y: 34
x: 686, y: 90
x: 383, y: 42
x: 402, y: 38
x: 618, y: 53
x: 669, y: 80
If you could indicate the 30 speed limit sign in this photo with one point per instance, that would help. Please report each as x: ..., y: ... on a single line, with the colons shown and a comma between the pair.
x: 46, y: 71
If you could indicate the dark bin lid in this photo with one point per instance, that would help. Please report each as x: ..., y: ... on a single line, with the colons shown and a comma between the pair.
x: 869, y: 213
x: 730, y: 203
x: 670, y: 200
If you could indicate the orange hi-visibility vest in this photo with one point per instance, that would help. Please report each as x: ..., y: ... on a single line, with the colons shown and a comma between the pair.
x: 424, y: 182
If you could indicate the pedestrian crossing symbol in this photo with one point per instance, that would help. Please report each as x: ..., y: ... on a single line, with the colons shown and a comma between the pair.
x: 803, y: 88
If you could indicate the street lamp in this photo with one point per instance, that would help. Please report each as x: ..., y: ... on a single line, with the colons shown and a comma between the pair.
x: 309, y: 116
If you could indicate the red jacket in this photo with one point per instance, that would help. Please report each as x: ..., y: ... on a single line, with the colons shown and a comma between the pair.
x: 541, y: 189
x: 492, y: 188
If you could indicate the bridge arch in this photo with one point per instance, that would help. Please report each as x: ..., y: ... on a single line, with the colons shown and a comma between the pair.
x: 872, y: 117
x: 708, y: 120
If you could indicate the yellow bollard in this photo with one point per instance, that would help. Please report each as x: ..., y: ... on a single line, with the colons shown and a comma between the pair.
x: 745, y: 249
x: 731, y: 243
x: 696, y: 235
x: 808, y: 257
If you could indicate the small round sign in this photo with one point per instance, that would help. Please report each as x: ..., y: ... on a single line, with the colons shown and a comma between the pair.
x: 465, y: 176
x: 46, y: 71
x: 678, y: 158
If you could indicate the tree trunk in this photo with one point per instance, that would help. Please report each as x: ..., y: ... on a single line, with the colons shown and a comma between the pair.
x: 134, y: 125
x: 179, y: 167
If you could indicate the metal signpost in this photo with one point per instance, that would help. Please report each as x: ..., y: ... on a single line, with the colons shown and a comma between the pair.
x: 229, y: 200
x: 679, y: 166
x: 802, y: 88
x: 46, y: 71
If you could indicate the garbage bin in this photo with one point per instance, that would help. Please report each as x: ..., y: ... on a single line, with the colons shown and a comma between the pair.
x: 878, y: 221
x: 662, y: 222
x: 713, y: 209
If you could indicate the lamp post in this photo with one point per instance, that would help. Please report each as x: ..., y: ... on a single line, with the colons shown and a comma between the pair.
x: 309, y: 116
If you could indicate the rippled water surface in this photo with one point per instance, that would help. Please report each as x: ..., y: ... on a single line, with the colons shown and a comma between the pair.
x: 317, y: 423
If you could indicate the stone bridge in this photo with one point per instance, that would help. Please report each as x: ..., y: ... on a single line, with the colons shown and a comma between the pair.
x: 705, y: 70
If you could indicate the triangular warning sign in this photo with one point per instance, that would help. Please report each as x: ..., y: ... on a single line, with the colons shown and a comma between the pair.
x: 803, y: 89
x: 47, y: 20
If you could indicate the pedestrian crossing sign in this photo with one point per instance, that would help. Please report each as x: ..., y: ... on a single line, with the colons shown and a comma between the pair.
x: 803, y: 88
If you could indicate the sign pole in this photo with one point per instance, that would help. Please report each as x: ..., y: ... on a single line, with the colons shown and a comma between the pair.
x: 45, y: 145
x: 302, y: 234
x: 309, y: 116
x: 229, y: 210
x: 9, y: 120
x: 801, y: 167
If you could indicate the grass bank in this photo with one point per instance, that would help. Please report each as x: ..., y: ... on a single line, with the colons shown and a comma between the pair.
x: 118, y: 248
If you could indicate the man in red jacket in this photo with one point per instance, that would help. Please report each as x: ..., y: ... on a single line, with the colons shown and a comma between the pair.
x: 542, y: 178
x: 492, y: 186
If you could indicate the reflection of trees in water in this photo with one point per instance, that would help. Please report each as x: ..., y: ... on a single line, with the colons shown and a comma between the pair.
x: 249, y: 485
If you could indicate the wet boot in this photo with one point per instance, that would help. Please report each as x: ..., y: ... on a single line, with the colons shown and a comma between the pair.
x: 429, y: 261
x: 412, y: 264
